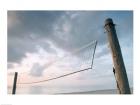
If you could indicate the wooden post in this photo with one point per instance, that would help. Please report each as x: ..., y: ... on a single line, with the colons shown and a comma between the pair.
x: 14, y: 83
x: 119, y: 91
x: 120, y: 71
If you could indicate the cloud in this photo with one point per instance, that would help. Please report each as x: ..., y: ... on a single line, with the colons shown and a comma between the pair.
x: 34, y: 29
x: 37, y: 69
x: 67, y: 30
x: 37, y: 38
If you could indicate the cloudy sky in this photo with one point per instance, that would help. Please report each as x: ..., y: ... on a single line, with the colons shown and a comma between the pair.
x: 46, y: 44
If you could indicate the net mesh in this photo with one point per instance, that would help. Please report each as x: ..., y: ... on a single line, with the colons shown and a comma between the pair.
x: 76, y: 61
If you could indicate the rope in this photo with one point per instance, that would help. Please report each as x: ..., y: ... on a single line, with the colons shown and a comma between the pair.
x: 56, y: 77
x: 93, y: 54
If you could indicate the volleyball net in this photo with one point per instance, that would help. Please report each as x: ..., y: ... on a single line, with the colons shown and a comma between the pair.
x: 74, y: 62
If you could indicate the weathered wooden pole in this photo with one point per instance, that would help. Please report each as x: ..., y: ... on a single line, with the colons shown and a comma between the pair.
x: 119, y: 67
x: 119, y: 91
x: 14, y: 83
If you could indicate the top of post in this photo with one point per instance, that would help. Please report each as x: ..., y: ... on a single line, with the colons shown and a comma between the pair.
x: 109, y: 21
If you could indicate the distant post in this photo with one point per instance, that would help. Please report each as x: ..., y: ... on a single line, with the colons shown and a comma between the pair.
x: 119, y: 67
x: 14, y: 84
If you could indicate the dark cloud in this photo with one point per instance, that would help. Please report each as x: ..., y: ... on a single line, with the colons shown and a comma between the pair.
x: 33, y: 29
x: 37, y: 22
x: 18, y: 47
x: 65, y: 29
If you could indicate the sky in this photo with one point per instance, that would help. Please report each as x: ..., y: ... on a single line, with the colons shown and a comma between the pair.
x: 46, y: 44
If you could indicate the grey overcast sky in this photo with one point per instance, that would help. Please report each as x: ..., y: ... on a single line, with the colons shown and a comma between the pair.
x: 36, y: 37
